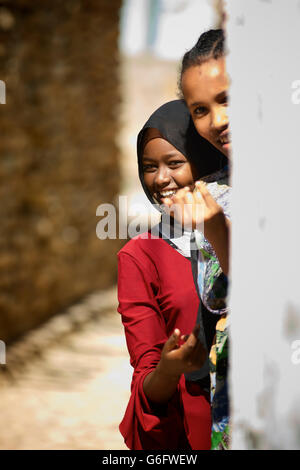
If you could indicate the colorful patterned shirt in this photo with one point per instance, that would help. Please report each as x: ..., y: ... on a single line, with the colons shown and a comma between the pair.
x: 213, y: 289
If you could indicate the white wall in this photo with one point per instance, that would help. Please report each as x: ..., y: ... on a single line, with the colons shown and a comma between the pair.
x: 264, y: 64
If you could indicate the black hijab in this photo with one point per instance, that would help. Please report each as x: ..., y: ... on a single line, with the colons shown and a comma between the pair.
x: 174, y: 123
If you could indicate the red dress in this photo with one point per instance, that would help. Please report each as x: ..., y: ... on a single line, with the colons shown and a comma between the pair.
x: 157, y: 294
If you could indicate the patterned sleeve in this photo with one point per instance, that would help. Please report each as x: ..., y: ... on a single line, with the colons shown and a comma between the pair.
x: 212, y: 282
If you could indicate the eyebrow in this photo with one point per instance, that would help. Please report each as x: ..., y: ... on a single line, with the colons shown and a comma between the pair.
x: 197, y: 103
x: 218, y: 96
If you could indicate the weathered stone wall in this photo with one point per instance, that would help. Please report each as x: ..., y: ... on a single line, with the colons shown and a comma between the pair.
x: 58, y: 157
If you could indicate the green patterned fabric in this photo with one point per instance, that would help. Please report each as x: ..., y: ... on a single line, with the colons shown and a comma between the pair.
x: 213, y: 288
x: 218, y: 358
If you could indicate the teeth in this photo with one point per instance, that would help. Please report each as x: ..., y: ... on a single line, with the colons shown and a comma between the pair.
x: 224, y: 140
x: 167, y: 193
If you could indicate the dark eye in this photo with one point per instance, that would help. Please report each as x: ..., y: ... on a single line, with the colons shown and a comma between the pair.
x: 175, y: 163
x: 223, y: 98
x: 199, y: 111
x: 148, y: 168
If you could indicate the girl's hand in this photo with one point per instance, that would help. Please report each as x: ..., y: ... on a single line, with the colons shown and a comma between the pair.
x: 177, y: 358
x: 180, y: 354
x: 197, y: 209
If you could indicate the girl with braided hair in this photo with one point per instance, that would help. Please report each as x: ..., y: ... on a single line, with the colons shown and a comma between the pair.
x: 204, y: 85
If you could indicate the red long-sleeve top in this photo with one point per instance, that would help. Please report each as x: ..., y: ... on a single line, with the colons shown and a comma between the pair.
x: 157, y: 294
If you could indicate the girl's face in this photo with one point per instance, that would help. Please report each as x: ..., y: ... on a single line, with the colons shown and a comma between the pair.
x: 166, y: 170
x: 205, y: 89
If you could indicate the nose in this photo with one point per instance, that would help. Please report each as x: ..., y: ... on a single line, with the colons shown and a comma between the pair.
x: 162, y: 177
x: 219, y: 118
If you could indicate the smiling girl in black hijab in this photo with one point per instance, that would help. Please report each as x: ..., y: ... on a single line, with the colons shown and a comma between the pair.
x: 159, y: 300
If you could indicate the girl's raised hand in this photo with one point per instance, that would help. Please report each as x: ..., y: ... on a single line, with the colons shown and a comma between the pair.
x: 197, y: 209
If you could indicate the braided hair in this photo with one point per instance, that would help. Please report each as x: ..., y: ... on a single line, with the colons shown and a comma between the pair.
x: 210, y: 45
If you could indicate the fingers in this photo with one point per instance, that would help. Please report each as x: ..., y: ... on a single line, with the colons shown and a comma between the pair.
x: 193, y: 352
x: 184, y: 356
x: 172, y: 342
x: 186, y: 196
x: 182, y: 196
x: 201, y: 188
x: 168, y: 201
x: 192, y: 339
x: 196, y: 330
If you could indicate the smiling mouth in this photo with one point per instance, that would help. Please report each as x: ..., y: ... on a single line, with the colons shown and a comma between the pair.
x: 225, y: 139
x: 167, y: 193
x: 164, y: 194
